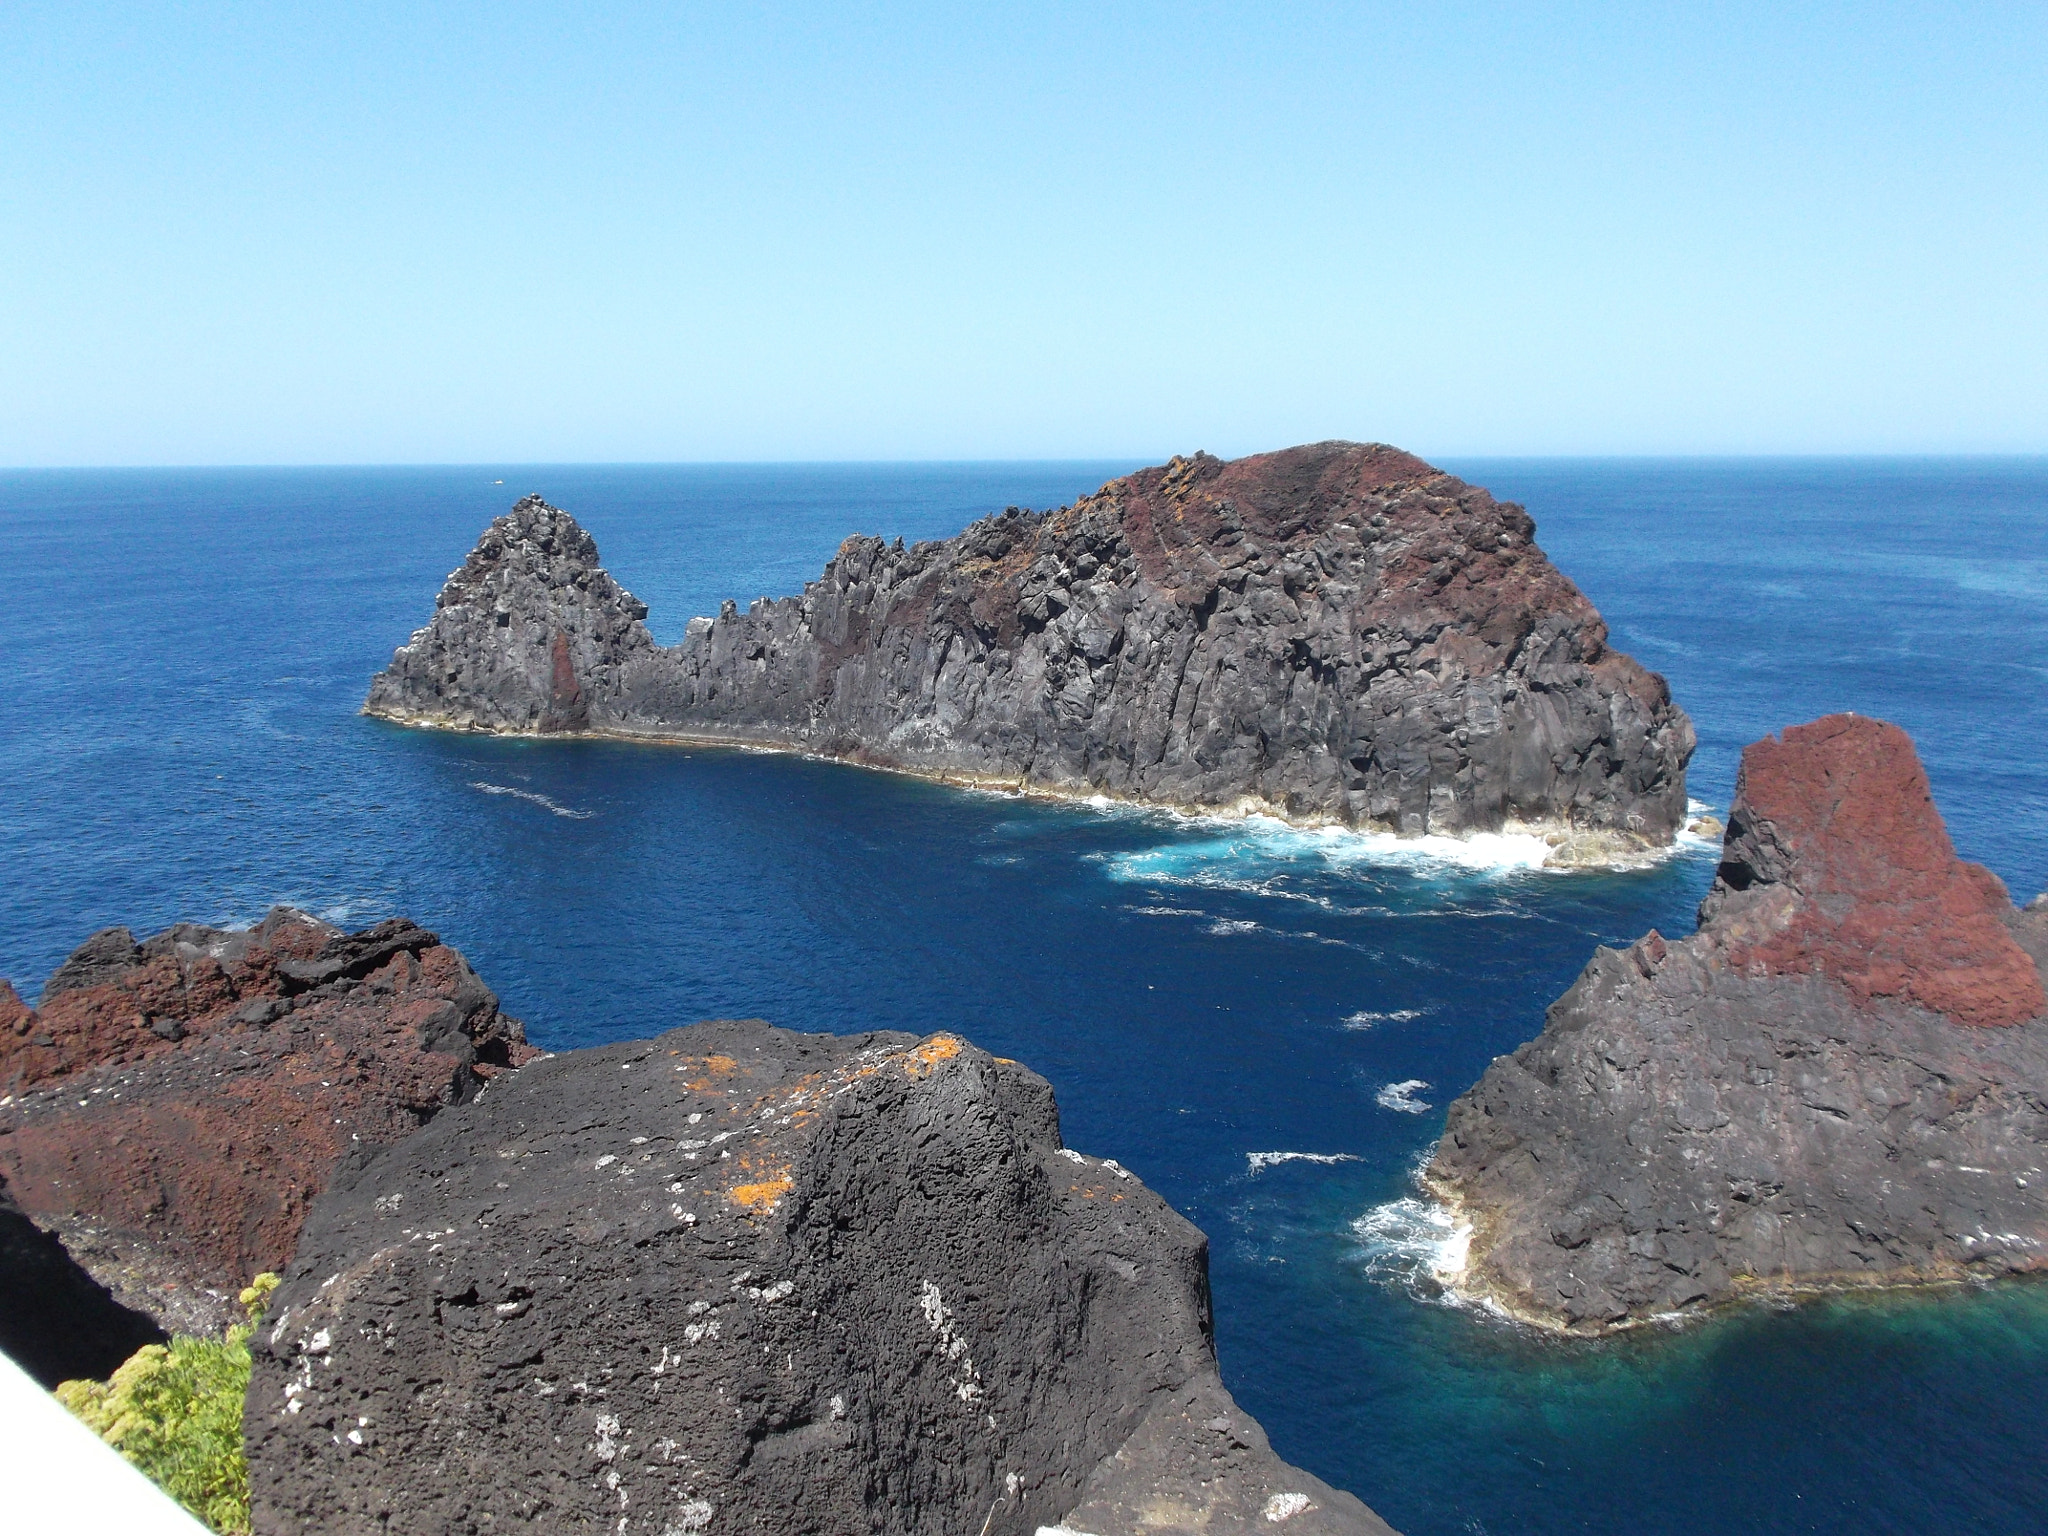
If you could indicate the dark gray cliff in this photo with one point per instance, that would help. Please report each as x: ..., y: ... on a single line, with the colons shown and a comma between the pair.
x: 1840, y: 1080
x: 739, y: 1279
x: 1335, y: 632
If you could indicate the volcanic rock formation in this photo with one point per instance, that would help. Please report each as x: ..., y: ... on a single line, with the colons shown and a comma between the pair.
x: 1336, y: 632
x: 173, y: 1106
x: 1837, y: 1081
x: 735, y: 1278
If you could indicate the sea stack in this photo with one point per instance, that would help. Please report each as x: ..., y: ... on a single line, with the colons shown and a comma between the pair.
x: 1333, y: 633
x: 735, y: 1278
x: 1837, y: 1081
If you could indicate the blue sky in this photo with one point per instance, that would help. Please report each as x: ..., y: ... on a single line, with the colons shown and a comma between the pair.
x: 454, y: 233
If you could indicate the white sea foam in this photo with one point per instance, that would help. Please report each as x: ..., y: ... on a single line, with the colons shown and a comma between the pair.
x: 1401, y: 1096
x: 1249, y: 852
x: 342, y: 913
x: 1689, y: 841
x: 1413, y: 1240
x: 1364, y: 1020
x: 527, y: 794
x: 1229, y: 925
x: 1263, y: 1160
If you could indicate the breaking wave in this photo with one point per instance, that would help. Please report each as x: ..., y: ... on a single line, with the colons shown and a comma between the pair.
x: 1366, y: 1020
x: 1259, y: 1161
x: 527, y: 794
x: 1417, y: 1243
x: 1252, y: 853
x: 1401, y: 1096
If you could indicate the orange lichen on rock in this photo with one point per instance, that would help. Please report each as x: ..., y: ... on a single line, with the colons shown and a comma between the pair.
x: 761, y: 1193
x: 714, y: 1067
x: 919, y: 1060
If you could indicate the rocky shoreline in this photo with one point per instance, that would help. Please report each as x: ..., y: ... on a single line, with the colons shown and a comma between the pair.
x: 728, y: 1278
x: 1834, y: 1084
x: 1334, y: 634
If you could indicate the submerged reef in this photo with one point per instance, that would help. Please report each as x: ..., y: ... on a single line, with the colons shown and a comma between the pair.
x: 1837, y: 1081
x: 1332, y: 633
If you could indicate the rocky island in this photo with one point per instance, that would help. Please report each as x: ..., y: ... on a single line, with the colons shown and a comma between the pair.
x: 1836, y: 1082
x: 1335, y: 633
x: 730, y: 1278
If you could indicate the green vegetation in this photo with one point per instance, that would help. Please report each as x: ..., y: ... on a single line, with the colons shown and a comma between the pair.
x: 176, y: 1411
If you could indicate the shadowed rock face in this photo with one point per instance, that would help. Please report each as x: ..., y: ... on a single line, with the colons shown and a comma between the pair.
x: 735, y: 1278
x: 1334, y: 632
x: 1836, y: 1081
x: 173, y: 1106
x: 56, y: 1321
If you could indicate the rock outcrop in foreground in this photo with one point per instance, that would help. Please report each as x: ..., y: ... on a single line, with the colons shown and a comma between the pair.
x: 1337, y: 632
x: 172, y: 1107
x: 739, y: 1279
x: 1838, y: 1081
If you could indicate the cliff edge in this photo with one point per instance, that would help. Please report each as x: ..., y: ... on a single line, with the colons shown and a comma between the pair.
x: 736, y: 1278
x: 1337, y: 632
x: 1835, y: 1082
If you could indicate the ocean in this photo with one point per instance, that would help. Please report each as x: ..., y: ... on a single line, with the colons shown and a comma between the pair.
x: 187, y: 651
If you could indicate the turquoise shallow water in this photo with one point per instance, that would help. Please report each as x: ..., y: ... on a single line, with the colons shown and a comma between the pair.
x: 187, y: 651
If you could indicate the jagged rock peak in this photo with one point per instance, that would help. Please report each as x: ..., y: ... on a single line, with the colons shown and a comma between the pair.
x: 1337, y: 632
x: 1794, y: 1098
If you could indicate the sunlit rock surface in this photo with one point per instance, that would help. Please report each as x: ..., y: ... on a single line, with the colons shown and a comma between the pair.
x: 1838, y: 1080
x: 1336, y: 632
x: 172, y: 1107
x: 738, y: 1279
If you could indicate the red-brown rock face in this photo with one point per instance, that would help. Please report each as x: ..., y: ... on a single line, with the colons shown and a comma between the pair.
x: 1786, y: 1100
x: 173, y: 1107
x: 1839, y: 816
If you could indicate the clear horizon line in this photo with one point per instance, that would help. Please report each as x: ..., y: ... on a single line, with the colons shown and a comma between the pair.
x: 1803, y: 455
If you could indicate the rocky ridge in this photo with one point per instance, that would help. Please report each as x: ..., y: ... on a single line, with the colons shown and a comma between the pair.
x: 1337, y: 632
x: 1837, y: 1081
x: 739, y: 1279
x: 171, y: 1107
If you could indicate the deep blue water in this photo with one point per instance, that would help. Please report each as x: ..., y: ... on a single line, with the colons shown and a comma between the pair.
x: 186, y: 651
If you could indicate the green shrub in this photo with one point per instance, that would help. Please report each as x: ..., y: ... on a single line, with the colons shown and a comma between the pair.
x: 175, y: 1411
